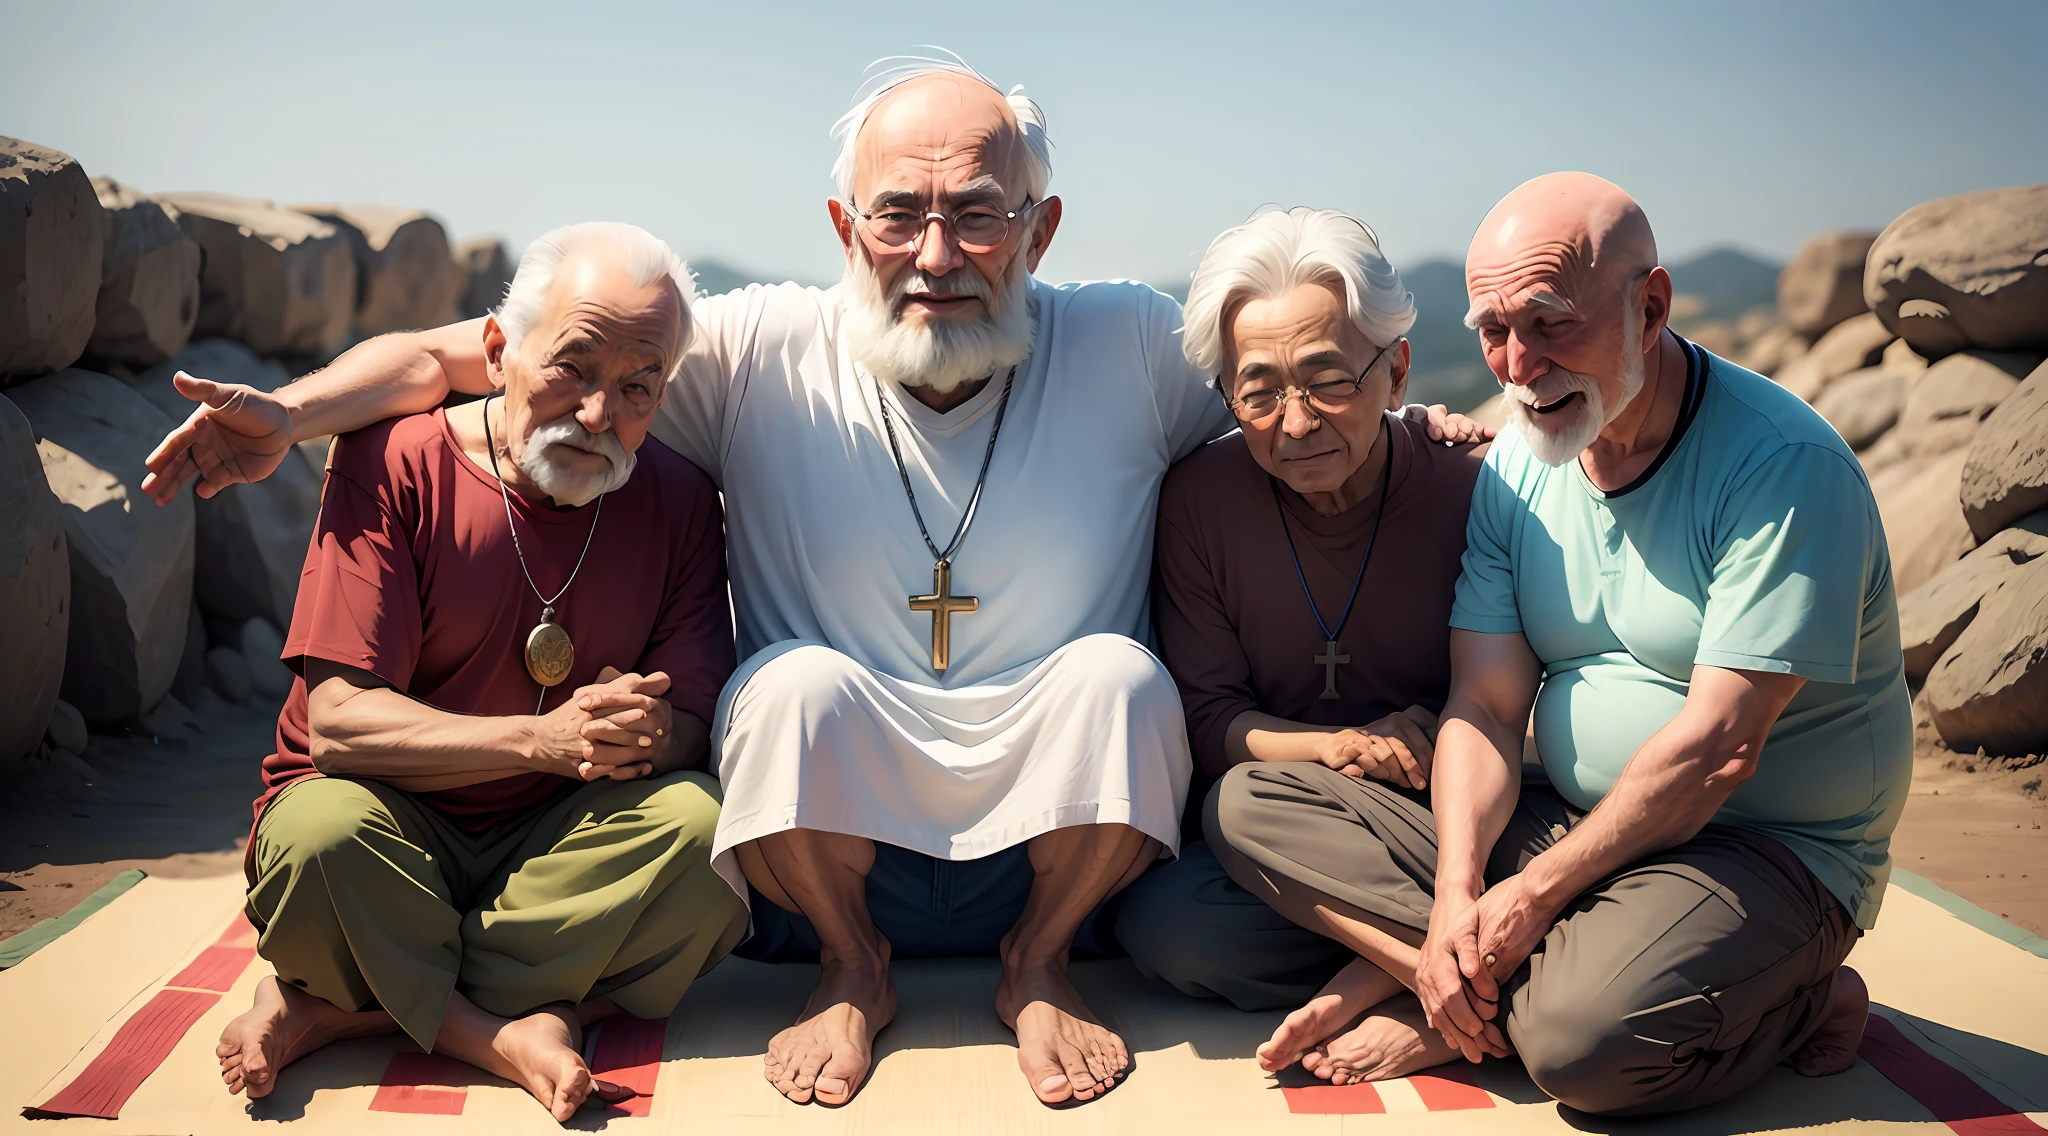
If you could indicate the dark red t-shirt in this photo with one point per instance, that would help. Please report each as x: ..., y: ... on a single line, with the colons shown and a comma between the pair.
x: 412, y: 576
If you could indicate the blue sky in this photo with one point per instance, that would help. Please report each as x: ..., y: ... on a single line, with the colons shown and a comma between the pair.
x: 1746, y: 123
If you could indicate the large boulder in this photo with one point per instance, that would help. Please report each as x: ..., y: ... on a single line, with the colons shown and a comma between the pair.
x: 2006, y: 476
x: 406, y: 277
x: 1849, y: 346
x: 1963, y: 272
x: 281, y: 282
x: 489, y: 266
x: 252, y: 538
x: 35, y: 591
x: 149, y: 281
x: 1922, y: 515
x: 1989, y: 690
x: 1862, y: 405
x: 1822, y: 284
x: 131, y: 562
x: 1932, y: 615
x: 1772, y: 349
x: 1945, y: 405
x: 52, y: 238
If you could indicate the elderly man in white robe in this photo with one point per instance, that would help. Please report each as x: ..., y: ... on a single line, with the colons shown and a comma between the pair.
x: 940, y: 479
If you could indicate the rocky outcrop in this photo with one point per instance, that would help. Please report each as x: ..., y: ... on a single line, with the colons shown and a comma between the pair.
x: 1945, y: 405
x: 1849, y: 346
x: 1923, y: 517
x: 252, y: 538
x: 1932, y: 615
x: 1822, y: 285
x: 281, y: 282
x: 52, y: 239
x: 1772, y: 350
x: 149, y: 281
x: 35, y: 591
x: 1862, y: 405
x: 2006, y: 476
x: 1965, y: 272
x: 1988, y: 689
x: 131, y: 562
x: 489, y: 267
x: 406, y: 276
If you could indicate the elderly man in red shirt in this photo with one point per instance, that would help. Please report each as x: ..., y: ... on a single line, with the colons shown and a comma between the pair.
x: 482, y: 824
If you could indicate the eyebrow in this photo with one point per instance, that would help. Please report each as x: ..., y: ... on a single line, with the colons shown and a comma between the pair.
x: 1482, y: 312
x: 984, y: 190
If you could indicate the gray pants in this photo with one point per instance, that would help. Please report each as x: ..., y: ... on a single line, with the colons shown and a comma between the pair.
x: 1678, y: 981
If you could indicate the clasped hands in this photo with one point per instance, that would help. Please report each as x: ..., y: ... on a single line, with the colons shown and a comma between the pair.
x: 1473, y: 946
x: 1397, y: 749
x: 619, y: 727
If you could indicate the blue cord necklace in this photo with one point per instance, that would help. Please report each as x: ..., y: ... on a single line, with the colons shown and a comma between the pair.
x: 1330, y: 660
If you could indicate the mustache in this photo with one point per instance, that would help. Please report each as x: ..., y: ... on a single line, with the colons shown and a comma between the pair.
x: 1551, y: 387
x: 962, y: 281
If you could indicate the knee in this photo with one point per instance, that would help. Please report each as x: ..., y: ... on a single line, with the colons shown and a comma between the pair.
x: 1578, y: 1050
x: 1119, y: 664
x: 315, y: 819
x: 803, y: 675
x: 684, y: 804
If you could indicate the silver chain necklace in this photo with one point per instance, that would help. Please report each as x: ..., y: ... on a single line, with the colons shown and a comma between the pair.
x: 550, y: 654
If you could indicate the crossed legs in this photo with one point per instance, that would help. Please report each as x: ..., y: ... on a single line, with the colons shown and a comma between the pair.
x: 1064, y: 1050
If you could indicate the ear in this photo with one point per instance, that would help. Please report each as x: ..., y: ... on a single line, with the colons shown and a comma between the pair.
x: 1045, y: 220
x: 494, y: 351
x: 842, y: 223
x: 1397, y: 368
x: 1656, y: 307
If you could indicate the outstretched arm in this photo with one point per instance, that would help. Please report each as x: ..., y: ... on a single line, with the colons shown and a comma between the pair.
x: 239, y: 434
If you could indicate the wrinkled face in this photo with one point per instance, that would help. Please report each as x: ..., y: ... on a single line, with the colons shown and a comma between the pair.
x: 1564, y: 341
x: 583, y: 384
x: 1305, y: 339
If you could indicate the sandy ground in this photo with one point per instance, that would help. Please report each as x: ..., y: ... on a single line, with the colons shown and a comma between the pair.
x: 177, y: 804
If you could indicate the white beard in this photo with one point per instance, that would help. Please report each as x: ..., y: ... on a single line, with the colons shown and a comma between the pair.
x: 943, y: 355
x: 570, y: 487
x: 1563, y: 435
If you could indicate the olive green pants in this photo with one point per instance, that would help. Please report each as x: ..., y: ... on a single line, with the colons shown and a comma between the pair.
x: 366, y: 897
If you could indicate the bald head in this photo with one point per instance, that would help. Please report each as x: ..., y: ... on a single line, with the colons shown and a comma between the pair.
x: 942, y: 131
x: 1571, y: 235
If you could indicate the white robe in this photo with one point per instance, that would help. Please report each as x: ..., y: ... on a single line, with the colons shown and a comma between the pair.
x: 1050, y: 714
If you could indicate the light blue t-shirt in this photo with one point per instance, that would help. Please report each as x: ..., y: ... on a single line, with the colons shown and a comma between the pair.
x: 1752, y: 544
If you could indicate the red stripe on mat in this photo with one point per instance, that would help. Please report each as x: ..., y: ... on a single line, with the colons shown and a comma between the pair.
x: 215, y: 969
x: 1450, y: 1090
x: 1941, y: 1088
x: 1328, y: 1099
x: 413, y: 1083
x: 240, y: 933
x: 628, y: 1054
x: 138, y: 1047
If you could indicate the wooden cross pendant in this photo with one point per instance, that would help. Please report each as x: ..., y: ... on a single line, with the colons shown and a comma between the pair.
x: 1329, y: 662
x: 943, y: 604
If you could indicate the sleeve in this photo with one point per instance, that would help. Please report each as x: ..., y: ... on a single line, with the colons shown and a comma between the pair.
x: 691, y: 419
x: 1200, y: 647
x: 1792, y: 559
x: 359, y: 592
x: 692, y: 638
x: 1190, y: 410
x: 1486, y: 578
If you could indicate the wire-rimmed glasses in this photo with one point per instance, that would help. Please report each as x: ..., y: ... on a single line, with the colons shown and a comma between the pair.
x: 1329, y: 397
x: 976, y: 228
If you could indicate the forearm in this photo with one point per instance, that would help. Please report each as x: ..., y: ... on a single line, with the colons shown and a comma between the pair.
x: 1477, y: 782
x: 391, y: 375
x: 1257, y: 736
x: 382, y: 735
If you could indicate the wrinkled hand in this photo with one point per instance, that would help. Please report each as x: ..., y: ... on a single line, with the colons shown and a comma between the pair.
x: 1455, y: 1008
x: 1397, y: 749
x: 236, y: 434
x: 1505, y: 926
x: 1454, y: 429
x: 627, y: 713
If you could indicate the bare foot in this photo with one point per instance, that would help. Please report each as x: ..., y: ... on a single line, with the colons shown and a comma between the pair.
x: 284, y: 1024
x: 1832, y: 1048
x: 1393, y: 1042
x: 541, y: 1049
x: 1354, y: 990
x: 826, y: 1054
x: 1066, y: 1054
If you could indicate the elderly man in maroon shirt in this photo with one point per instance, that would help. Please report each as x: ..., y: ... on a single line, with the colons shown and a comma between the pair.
x: 481, y: 825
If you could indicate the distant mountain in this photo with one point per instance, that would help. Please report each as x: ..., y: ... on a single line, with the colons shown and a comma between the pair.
x: 1731, y: 282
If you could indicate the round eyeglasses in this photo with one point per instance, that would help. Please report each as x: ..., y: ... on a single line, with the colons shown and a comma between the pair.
x: 1329, y: 397
x: 976, y: 228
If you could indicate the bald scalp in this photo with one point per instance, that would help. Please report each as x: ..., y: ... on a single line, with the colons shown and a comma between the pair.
x: 1577, y: 237
x: 935, y: 128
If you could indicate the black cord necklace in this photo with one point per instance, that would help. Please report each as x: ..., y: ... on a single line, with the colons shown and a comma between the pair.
x: 942, y: 603
x: 1330, y: 659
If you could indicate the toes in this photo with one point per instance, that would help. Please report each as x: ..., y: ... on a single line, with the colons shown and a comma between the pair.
x: 1076, y: 1065
x: 1048, y: 1081
x: 841, y: 1076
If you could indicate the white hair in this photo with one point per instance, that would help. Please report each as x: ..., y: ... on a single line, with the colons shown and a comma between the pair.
x: 890, y: 72
x: 644, y: 256
x: 1277, y: 251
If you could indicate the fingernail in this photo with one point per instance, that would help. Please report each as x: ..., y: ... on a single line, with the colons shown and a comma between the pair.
x: 645, y: 742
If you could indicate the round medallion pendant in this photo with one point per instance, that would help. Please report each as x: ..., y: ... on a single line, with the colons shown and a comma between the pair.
x: 549, y: 654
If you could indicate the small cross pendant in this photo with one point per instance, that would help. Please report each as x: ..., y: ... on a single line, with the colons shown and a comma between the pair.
x: 1329, y: 662
x: 943, y: 605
